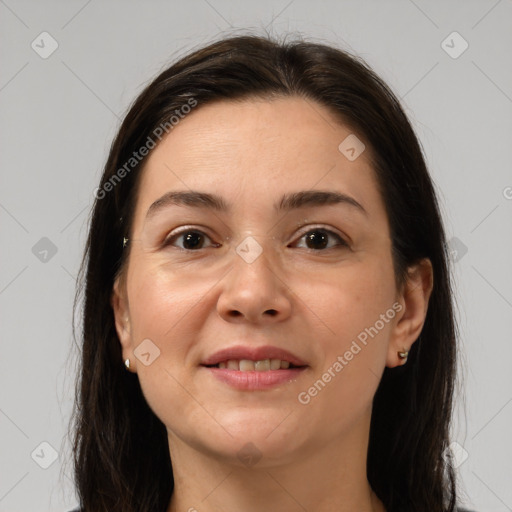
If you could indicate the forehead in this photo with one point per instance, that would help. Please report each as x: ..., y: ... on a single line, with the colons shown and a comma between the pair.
x: 256, y: 150
x: 301, y: 127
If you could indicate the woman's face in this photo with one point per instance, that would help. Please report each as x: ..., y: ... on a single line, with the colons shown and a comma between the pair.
x: 279, y: 267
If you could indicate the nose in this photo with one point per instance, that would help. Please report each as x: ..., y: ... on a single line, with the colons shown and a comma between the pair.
x: 255, y: 292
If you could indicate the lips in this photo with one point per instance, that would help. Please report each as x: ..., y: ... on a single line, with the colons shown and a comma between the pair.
x: 241, y: 352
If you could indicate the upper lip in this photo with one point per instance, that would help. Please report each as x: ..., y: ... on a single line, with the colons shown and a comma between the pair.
x: 239, y: 352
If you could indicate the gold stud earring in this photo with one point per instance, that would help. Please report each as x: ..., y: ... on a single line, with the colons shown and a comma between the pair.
x: 403, y: 355
x: 127, y: 364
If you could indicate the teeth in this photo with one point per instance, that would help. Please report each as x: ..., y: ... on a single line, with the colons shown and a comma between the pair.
x: 275, y: 364
x: 262, y: 366
x: 232, y: 364
x: 246, y: 365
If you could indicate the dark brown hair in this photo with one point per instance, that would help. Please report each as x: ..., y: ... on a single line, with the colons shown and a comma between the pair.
x: 121, y: 455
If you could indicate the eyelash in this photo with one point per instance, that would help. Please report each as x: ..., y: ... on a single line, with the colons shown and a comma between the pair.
x: 341, y: 242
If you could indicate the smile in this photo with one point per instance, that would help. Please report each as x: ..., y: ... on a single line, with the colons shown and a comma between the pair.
x: 246, y: 365
x: 247, y: 375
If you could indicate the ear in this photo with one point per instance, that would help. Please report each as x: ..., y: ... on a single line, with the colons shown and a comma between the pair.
x: 120, y: 306
x: 409, y: 322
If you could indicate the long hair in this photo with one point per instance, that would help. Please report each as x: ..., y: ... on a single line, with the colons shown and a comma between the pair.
x: 121, y: 454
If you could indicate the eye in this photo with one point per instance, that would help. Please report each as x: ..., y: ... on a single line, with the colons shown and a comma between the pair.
x: 318, y: 239
x: 193, y: 239
x: 315, y: 239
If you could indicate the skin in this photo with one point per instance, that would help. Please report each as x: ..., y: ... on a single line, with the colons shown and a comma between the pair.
x: 191, y: 304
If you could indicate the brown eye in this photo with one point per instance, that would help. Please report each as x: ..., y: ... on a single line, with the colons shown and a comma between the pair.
x: 318, y: 239
x: 192, y: 239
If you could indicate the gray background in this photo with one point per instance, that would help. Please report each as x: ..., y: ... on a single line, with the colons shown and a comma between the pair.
x: 59, y: 115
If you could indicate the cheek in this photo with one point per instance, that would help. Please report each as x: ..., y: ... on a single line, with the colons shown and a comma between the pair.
x: 163, y: 309
x: 162, y: 305
x: 356, y: 309
x: 352, y: 298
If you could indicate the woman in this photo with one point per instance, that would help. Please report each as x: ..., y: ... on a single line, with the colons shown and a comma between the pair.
x: 267, y: 258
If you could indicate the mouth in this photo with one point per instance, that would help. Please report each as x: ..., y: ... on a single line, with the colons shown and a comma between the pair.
x: 245, y: 378
x: 247, y: 365
x: 249, y: 368
x: 248, y: 358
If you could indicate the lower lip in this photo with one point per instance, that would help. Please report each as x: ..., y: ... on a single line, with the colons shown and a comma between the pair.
x: 254, y: 380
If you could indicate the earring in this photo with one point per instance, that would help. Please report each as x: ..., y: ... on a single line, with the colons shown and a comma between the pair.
x: 403, y: 355
x: 127, y: 364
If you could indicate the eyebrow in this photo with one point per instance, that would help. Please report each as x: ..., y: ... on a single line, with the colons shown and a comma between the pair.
x: 288, y: 202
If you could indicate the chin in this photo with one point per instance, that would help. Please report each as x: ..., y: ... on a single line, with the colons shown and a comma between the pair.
x: 254, y: 454
x: 251, y: 438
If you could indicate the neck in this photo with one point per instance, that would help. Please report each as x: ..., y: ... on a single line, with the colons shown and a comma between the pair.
x: 321, y: 478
